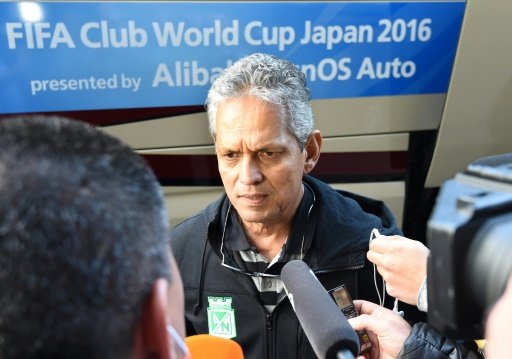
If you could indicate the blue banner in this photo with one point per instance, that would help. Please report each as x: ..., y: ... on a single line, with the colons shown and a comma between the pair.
x: 62, y: 56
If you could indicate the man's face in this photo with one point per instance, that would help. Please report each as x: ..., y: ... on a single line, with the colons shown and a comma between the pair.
x: 260, y: 161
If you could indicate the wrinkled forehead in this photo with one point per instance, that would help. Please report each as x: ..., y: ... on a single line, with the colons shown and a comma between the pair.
x: 253, y: 121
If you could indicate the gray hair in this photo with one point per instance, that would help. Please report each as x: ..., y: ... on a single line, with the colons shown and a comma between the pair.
x: 270, y: 79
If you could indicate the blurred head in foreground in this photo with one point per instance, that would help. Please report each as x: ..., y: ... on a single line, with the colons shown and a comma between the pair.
x: 84, y: 258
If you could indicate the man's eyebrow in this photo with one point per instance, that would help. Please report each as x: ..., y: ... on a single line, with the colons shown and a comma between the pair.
x: 273, y: 148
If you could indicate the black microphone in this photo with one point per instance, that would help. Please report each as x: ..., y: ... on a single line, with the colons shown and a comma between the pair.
x: 326, y: 327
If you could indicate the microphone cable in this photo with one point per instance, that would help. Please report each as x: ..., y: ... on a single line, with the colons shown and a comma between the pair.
x: 382, y: 298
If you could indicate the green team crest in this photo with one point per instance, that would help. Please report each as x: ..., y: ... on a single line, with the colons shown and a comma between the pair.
x: 221, y: 317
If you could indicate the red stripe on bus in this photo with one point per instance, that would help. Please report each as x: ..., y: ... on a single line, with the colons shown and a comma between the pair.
x: 356, y: 165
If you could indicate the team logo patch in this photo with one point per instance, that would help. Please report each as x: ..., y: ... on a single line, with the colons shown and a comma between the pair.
x: 221, y: 317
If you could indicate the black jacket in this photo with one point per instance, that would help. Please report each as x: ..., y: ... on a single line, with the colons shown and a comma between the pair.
x: 426, y: 343
x: 337, y: 255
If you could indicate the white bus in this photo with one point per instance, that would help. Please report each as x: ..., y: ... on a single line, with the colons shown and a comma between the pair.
x: 405, y: 93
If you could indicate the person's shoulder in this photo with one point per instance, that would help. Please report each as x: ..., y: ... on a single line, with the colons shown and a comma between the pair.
x: 327, y: 193
x: 190, y: 222
x: 196, y: 223
x: 353, y: 209
x: 204, y: 215
x: 185, y: 237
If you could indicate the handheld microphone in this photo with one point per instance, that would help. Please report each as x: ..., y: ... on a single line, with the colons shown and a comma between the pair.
x: 327, y: 329
x: 205, y: 346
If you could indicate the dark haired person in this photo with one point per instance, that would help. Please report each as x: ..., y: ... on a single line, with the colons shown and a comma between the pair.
x: 85, y: 266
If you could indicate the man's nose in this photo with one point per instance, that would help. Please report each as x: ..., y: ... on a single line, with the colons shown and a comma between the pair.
x: 250, y: 172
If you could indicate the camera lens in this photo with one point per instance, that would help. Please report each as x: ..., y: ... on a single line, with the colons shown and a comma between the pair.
x: 489, y: 261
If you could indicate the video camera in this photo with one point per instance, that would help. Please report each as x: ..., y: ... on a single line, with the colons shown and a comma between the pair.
x: 470, y: 238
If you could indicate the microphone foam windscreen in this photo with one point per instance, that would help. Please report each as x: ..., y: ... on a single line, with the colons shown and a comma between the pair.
x: 323, y: 322
x: 205, y: 346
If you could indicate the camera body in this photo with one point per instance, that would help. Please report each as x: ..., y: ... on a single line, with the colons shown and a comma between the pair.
x: 469, y: 234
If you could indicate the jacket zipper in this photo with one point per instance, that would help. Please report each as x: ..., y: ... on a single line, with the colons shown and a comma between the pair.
x: 268, y: 317
x: 270, y: 339
x: 325, y: 271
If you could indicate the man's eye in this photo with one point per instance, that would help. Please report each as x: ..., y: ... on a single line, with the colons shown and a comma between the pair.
x: 268, y: 154
x: 230, y: 155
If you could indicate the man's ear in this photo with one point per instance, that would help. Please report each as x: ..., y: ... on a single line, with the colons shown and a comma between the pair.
x: 151, y: 338
x: 312, y: 150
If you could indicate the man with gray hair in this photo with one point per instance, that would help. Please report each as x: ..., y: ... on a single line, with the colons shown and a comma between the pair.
x: 231, y: 253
